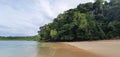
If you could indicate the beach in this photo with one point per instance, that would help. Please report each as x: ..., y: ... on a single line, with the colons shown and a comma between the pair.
x: 64, y: 50
x: 105, y: 48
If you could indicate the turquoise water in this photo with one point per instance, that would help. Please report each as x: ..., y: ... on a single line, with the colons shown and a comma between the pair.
x: 18, y: 49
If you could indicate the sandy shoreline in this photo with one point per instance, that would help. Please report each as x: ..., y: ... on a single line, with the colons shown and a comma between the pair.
x: 64, y: 50
x: 106, y: 48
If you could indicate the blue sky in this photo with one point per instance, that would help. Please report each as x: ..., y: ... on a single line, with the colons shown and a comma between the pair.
x: 24, y: 17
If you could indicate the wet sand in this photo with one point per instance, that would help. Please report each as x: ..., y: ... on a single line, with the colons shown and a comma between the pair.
x: 106, y: 48
x: 63, y: 50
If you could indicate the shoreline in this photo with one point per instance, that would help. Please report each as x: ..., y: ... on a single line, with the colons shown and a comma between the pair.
x: 64, y: 50
x: 103, y: 48
x: 106, y: 48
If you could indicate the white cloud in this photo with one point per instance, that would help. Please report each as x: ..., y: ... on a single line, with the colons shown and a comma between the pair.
x: 24, y: 17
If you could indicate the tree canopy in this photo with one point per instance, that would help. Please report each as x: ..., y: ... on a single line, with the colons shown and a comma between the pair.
x: 90, y: 21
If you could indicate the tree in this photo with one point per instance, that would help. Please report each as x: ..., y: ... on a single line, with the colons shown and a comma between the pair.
x: 89, y: 21
x: 98, y: 9
x: 53, y: 34
x: 84, y: 8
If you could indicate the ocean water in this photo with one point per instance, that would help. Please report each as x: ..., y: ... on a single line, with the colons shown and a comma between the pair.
x: 19, y: 49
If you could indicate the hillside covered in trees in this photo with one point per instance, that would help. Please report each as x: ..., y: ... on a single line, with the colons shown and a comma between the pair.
x: 90, y: 21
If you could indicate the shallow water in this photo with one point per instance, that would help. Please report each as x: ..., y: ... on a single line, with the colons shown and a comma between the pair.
x: 19, y: 49
x: 37, y: 49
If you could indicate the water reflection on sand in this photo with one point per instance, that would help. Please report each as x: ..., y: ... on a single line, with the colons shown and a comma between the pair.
x: 45, y: 50
x: 37, y: 49
x: 25, y: 49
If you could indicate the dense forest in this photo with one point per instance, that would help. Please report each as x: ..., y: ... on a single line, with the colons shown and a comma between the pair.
x: 89, y: 21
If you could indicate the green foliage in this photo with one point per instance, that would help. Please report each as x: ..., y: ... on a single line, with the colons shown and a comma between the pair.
x: 28, y: 38
x: 53, y: 34
x: 90, y: 21
x: 84, y: 8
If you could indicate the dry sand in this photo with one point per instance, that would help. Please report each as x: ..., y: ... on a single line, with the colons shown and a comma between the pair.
x: 106, y: 48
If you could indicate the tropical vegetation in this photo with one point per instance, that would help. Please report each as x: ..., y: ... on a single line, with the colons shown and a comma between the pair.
x: 89, y: 21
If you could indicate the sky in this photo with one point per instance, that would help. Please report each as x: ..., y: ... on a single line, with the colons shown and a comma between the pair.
x: 24, y: 17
